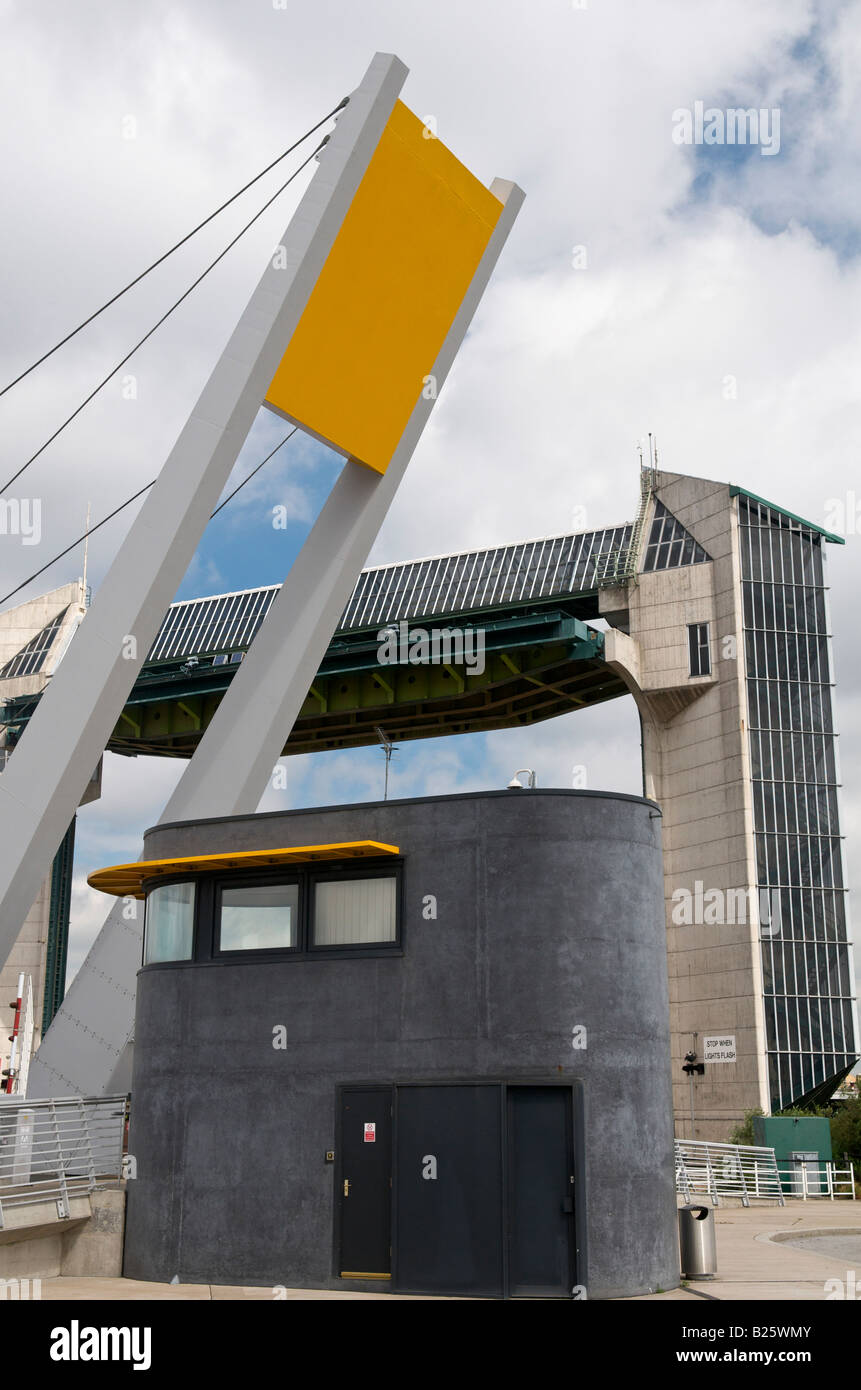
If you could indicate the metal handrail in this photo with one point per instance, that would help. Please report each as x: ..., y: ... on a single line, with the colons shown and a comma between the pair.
x: 620, y: 566
x: 752, y: 1173
x: 57, y: 1149
x: 727, y: 1170
x: 810, y: 1180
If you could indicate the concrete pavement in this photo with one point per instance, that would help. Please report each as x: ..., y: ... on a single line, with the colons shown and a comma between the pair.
x: 771, y: 1253
x: 765, y: 1253
x: 135, y: 1290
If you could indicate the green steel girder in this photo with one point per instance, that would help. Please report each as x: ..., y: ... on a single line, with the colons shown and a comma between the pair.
x: 538, y: 664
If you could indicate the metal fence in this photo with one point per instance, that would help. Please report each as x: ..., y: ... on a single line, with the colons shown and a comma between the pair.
x: 751, y: 1173
x: 54, y: 1150
x: 727, y: 1170
x: 821, y: 1179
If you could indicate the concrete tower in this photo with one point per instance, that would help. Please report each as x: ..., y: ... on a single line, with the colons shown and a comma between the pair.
x: 721, y: 631
x: 33, y: 639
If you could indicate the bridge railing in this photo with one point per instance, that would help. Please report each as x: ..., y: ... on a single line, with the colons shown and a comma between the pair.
x: 727, y: 1170
x: 613, y: 567
x: 54, y: 1150
x: 751, y: 1173
x: 807, y: 1180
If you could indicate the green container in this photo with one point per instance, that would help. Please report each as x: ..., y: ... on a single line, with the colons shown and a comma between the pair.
x: 789, y: 1136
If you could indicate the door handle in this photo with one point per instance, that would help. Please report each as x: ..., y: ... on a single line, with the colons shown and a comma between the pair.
x: 346, y: 1187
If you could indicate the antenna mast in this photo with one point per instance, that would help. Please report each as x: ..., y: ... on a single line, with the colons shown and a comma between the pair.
x: 388, y: 749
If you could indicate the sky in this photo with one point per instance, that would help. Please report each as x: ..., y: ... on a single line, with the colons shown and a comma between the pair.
x: 708, y: 293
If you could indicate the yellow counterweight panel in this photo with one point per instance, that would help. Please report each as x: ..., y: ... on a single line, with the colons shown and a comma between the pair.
x: 387, y: 295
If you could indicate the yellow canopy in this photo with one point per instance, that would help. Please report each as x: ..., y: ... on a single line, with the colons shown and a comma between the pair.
x: 125, y: 880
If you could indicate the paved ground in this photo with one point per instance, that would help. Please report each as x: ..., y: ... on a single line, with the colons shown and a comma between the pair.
x: 754, y: 1265
x: 751, y: 1264
x: 134, y: 1290
x: 842, y: 1245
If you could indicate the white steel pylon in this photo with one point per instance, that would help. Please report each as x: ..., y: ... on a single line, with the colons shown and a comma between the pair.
x: 50, y: 767
x: 84, y: 1048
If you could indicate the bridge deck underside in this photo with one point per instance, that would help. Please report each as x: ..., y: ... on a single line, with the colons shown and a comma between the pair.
x: 345, y: 712
x: 537, y: 664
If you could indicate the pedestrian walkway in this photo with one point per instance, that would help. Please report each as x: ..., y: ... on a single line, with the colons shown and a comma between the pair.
x: 792, y: 1253
x: 772, y: 1254
x: 136, y: 1290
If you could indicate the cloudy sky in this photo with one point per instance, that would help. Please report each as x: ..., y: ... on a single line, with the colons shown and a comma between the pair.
x: 707, y: 293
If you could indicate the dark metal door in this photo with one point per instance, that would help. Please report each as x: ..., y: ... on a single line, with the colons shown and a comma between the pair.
x: 449, y: 1190
x: 540, y: 1192
x: 366, y: 1183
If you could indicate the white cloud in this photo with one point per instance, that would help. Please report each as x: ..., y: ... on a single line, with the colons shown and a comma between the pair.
x: 564, y: 369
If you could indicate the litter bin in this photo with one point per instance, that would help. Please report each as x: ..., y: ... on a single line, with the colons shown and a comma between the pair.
x: 697, y: 1242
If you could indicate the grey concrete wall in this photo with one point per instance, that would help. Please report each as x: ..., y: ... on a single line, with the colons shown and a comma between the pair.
x: 549, y: 916
x: 95, y: 1250
x: 17, y: 627
x: 36, y: 1244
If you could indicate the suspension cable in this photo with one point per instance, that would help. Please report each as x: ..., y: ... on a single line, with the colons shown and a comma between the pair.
x: 171, y: 310
x: 161, y: 259
x: 105, y: 519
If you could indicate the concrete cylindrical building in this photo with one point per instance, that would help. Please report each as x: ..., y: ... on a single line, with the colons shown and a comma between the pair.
x: 418, y: 1044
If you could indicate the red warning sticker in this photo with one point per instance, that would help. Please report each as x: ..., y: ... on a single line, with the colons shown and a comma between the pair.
x: 371, y: 1132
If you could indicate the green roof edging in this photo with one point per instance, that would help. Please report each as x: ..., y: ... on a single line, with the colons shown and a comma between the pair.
x: 735, y: 490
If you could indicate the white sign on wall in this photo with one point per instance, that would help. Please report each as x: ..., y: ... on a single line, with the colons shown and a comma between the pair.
x: 719, y: 1047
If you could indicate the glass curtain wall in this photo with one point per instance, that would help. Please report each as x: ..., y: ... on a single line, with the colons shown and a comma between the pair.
x: 807, y: 964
